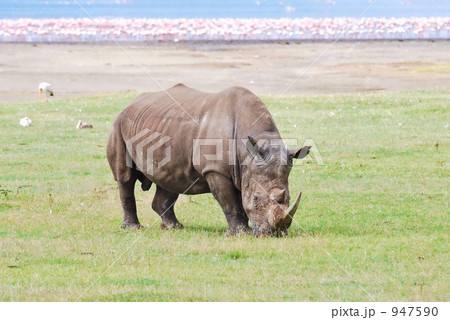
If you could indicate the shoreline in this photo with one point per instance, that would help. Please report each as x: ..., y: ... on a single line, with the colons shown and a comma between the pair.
x: 226, y: 42
x: 223, y: 29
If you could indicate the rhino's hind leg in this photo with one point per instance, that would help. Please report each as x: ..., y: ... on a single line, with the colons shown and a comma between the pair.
x: 125, y: 176
x: 163, y: 203
x: 230, y: 200
x: 126, y: 191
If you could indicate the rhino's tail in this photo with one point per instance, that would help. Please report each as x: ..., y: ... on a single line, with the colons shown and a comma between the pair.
x: 123, y: 167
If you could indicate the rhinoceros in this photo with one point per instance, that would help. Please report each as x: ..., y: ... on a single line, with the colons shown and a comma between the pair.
x: 187, y: 141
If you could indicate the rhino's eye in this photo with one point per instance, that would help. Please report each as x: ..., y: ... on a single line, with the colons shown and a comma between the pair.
x: 255, y: 201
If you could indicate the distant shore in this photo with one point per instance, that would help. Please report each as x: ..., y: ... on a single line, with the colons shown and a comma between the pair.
x: 77, y: 70
x: 66, y: 30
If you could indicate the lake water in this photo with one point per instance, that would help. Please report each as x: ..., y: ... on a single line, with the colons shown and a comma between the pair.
x: 14, y: 9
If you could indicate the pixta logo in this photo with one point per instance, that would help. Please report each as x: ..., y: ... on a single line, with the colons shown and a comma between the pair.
x: 226, y: 150
x: 142, y: 148
x: 149, y: 151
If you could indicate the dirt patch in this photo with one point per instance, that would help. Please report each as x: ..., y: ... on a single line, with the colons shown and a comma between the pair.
x: 87, y: 69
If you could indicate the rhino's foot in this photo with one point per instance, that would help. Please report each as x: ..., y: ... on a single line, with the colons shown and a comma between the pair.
x: 168, y: 225
x: 270, y: 233
x: 238, y: 230
x: 281, y: 233
x: 128, y: 225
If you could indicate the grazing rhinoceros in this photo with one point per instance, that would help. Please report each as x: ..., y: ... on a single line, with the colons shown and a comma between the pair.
x: 191, y: 142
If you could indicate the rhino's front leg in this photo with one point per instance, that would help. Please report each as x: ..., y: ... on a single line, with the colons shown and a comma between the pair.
x: 230, y: 200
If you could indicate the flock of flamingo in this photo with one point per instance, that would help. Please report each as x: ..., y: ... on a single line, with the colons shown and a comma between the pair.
x: 226, y: 29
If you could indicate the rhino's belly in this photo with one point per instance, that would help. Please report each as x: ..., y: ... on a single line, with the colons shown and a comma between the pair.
x: 197, y: 186
x: 168, y: 167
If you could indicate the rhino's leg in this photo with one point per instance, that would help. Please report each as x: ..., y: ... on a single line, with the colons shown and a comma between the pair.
x: 126, y: 192
x: 163, y: 203
x: 230, y: 200
x: 125, y: 176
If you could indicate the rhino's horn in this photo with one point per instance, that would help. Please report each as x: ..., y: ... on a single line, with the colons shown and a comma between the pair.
x: 290, y: 212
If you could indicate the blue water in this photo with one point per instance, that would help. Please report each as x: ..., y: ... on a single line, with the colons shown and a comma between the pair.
x: 13, y: 9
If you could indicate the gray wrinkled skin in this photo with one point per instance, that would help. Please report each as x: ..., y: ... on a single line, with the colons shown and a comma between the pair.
x: 245, y: 189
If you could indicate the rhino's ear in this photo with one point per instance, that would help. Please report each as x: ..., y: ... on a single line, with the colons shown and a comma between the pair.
x: 299, y: 153
x: 252, y: 146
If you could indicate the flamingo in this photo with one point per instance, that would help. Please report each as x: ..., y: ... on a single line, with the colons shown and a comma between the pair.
x: 71, y: 30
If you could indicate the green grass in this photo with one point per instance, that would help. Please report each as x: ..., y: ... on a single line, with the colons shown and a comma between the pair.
x: 379, y: 207
x: 443, y: 68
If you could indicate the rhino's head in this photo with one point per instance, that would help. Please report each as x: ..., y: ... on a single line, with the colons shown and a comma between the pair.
x: 265, y: 187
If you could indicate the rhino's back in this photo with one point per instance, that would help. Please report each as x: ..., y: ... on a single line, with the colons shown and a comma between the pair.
x: 183, y: 115
x: 165, y: 111
x: 195, y: 113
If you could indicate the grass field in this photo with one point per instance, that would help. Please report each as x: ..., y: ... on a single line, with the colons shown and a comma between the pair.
x: 379, y: 207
